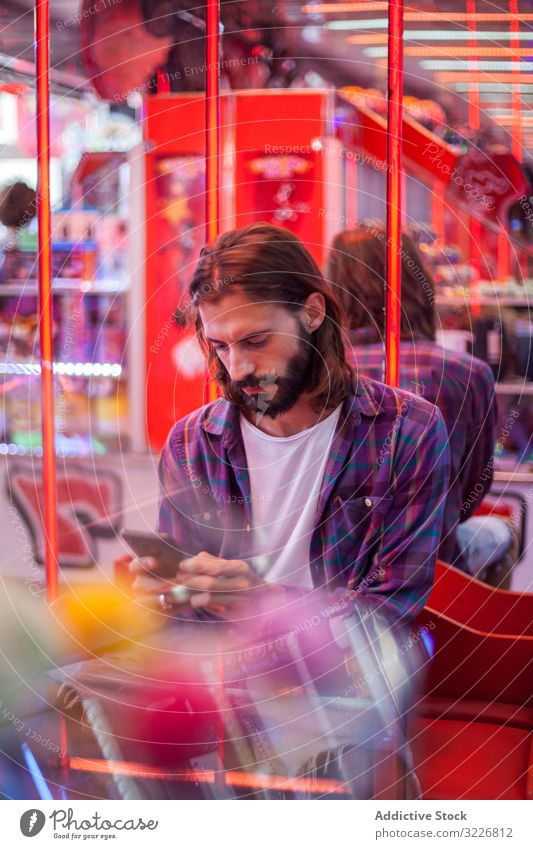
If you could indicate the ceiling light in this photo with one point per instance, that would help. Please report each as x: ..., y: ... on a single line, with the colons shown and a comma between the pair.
x: 471, y: 77
x: 419, y: 17
x: 421, y: 35
x: 434, y: 17
x: 493, y: 88
x: 468, y: 17
x: 340, y: 8
x: 367, y: 23
x: 445, y: 65
x: 453, y: 50
x: 509, y: 120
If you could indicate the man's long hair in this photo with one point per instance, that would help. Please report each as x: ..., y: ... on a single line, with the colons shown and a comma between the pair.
x: 270, y: 264
x: 356, y: 270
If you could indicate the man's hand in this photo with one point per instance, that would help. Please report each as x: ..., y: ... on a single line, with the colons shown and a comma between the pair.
x: 228, y: 588
x: 148, y: 585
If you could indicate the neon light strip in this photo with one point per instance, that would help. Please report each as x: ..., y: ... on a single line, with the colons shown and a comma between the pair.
x: 45, y: 293
x: 13, y: 450
x: 70, y: 369
x: 509, y: 120
x: 498, y: 112
x: 462, y: 65
x: 36, y: 775
x: 495, y: 88
x: 235, y: 778
x: 368, y: 24
x: 394, y: 198
x: 462, y: 77
x: 427, y: 17
x: 420, y: 35
x: 340, y: 8
x: 451, y: 50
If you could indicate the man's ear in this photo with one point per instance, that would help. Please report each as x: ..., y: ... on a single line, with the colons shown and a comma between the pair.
x: 314, y: 311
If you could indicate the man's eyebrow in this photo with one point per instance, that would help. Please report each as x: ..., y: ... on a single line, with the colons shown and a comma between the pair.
x: 242, y: 339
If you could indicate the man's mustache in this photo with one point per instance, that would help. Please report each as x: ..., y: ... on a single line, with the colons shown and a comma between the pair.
x: 253, y: 382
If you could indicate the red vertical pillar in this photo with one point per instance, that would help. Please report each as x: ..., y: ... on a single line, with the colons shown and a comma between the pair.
x: 212, y: 123
x: 516, y: 136
x: 212, y: 140
x: 394, y: 194
x: 516, y: 97
x: 45, y: 293
x: 212, y: 219
x: 473, y: 88
x: 474, y: 122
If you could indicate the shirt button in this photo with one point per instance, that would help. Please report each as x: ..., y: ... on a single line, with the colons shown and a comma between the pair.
x: 368, y: 502
x: 207, y: 516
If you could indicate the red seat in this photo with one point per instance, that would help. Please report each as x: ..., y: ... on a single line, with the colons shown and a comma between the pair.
x: 477, y: 605
x: 457, y: 759
x: 473, y: 731
x: 469, y: 710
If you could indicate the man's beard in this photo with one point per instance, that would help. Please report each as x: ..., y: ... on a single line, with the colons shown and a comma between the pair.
x: 283, y: 391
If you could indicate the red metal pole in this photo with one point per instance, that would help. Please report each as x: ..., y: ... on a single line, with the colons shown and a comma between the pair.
x: 394, y: 198
x: 516, y: 97
x: 212, y: 120
x: 212, y: 221
x: 212, y: 140
x: 474, y: 120
x: 45, y: 293
x: 473, y: 87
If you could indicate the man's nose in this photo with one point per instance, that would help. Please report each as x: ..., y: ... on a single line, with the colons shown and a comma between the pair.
x: 240, y: 366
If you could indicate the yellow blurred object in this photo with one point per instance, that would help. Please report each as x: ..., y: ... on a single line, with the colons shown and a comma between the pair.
x: 97, y: 617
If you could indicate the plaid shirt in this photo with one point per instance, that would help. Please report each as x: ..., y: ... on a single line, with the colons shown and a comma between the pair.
x: 464, y: 390
x: 381, y: 505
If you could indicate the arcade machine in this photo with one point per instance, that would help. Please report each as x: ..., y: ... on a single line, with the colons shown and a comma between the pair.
x: 278, y: 164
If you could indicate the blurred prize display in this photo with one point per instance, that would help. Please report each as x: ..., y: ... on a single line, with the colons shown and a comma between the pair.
x: 89, y: 260
x: 70, y: 261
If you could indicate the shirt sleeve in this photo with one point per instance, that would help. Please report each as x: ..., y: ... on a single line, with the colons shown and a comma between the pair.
x: 400, y: 577
x: 175, y: 491
x: 477, y: 468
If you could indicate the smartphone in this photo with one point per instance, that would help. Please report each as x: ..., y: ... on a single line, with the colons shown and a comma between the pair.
x: 163, y: 548
x: 160, y: 546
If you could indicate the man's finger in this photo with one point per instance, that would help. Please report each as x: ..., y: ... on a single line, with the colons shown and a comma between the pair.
x: 215, y: 584
x: 214, y: 566
x: 233, y: 601
x: 140, y: 565
x: 148, y: 584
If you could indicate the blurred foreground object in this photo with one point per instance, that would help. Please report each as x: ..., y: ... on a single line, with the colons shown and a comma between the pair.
x: 206, y: 714
x: 35, y: 638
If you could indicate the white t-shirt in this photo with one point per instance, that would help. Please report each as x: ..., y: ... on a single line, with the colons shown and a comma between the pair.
x: 286, y: 475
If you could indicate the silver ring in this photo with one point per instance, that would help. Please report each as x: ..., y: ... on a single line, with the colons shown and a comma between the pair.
x: 163, y: 601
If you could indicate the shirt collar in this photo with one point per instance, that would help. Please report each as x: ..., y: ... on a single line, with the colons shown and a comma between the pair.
x: 371, y: 335
x: 221, y: 418
x: 365, y: 336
